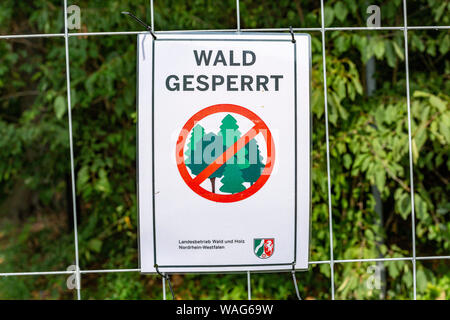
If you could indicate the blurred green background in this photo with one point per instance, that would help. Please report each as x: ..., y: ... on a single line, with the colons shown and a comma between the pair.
x: 368, y: 146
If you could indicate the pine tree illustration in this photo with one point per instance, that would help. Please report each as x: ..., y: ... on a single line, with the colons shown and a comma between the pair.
x: 254, y: 159
x: 232, y: 179
x: 198, y: 145
x: 194, y: 160
x: 230, y: 134
x: 213, y: 148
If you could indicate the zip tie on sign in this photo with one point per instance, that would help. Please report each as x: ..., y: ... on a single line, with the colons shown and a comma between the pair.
x: 149, y: 29
x: 295, y: 283
x: 291, y: 31
x: 166, y: 277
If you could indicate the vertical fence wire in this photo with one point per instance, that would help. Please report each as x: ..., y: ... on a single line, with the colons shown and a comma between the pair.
x: 327, y: 137
x: 152, y: 19
x: 72, y: 166
x: 238, y: 29
x: 164, y: 288
x: 152, y: 24
x: 238, y: 17
x: 249, y: 286
x: 411, y: 167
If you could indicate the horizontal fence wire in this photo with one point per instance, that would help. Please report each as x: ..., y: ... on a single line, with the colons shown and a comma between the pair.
x: 66, y: 35
x: 311, y: 263
x: 259, y: 30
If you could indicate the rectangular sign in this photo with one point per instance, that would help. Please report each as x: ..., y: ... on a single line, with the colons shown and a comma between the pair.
x: 224, y: 152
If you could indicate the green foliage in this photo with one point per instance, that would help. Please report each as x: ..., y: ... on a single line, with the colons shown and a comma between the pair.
x: 368, y: 148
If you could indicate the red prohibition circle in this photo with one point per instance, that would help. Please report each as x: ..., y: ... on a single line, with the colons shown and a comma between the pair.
x: 260, y: 127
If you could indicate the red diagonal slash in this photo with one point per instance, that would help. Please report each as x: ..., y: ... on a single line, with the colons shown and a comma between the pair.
x: 230, y: 152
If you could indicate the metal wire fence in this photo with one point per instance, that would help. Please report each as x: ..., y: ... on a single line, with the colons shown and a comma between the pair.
x: 77, y: 272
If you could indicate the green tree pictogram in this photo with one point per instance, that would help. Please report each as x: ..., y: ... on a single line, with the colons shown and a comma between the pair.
x: 255, y: 165
x: 194, y: 151
x: 230, y: 134
x: 212, y: 147
x: 232, y: 181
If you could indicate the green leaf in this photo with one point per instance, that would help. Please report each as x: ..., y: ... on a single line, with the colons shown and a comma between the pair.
x: 83, y: 177
x: 398, y: 50
x: 347, y: 159
x: 357, y: 85
x: 95, y: 245
x: 390, y: 54
x: 421, y: 280
x: 415, y: 151
x: 380, y: 179
x: 420, y: 94
x: 340, y: 89
x: 417, y: 42
x: 404, y: 205
x: 438, y: 103
x: 379, y: 49
x: 329, y: 16
x: 380, y: 114
x: 102, y: 184
x: 421, y: 207
x: 60, y: 107
x: 444, y: 126
x: 393, y: 269
x: 431, y: 49
x: 341, y: 11
x: 445, y: 44
x: 342, y: 43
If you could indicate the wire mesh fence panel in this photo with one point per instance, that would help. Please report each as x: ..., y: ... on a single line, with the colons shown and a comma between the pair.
x: 389, y: 155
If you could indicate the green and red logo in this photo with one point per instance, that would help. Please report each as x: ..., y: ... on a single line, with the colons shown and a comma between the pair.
x: 263, y: 248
